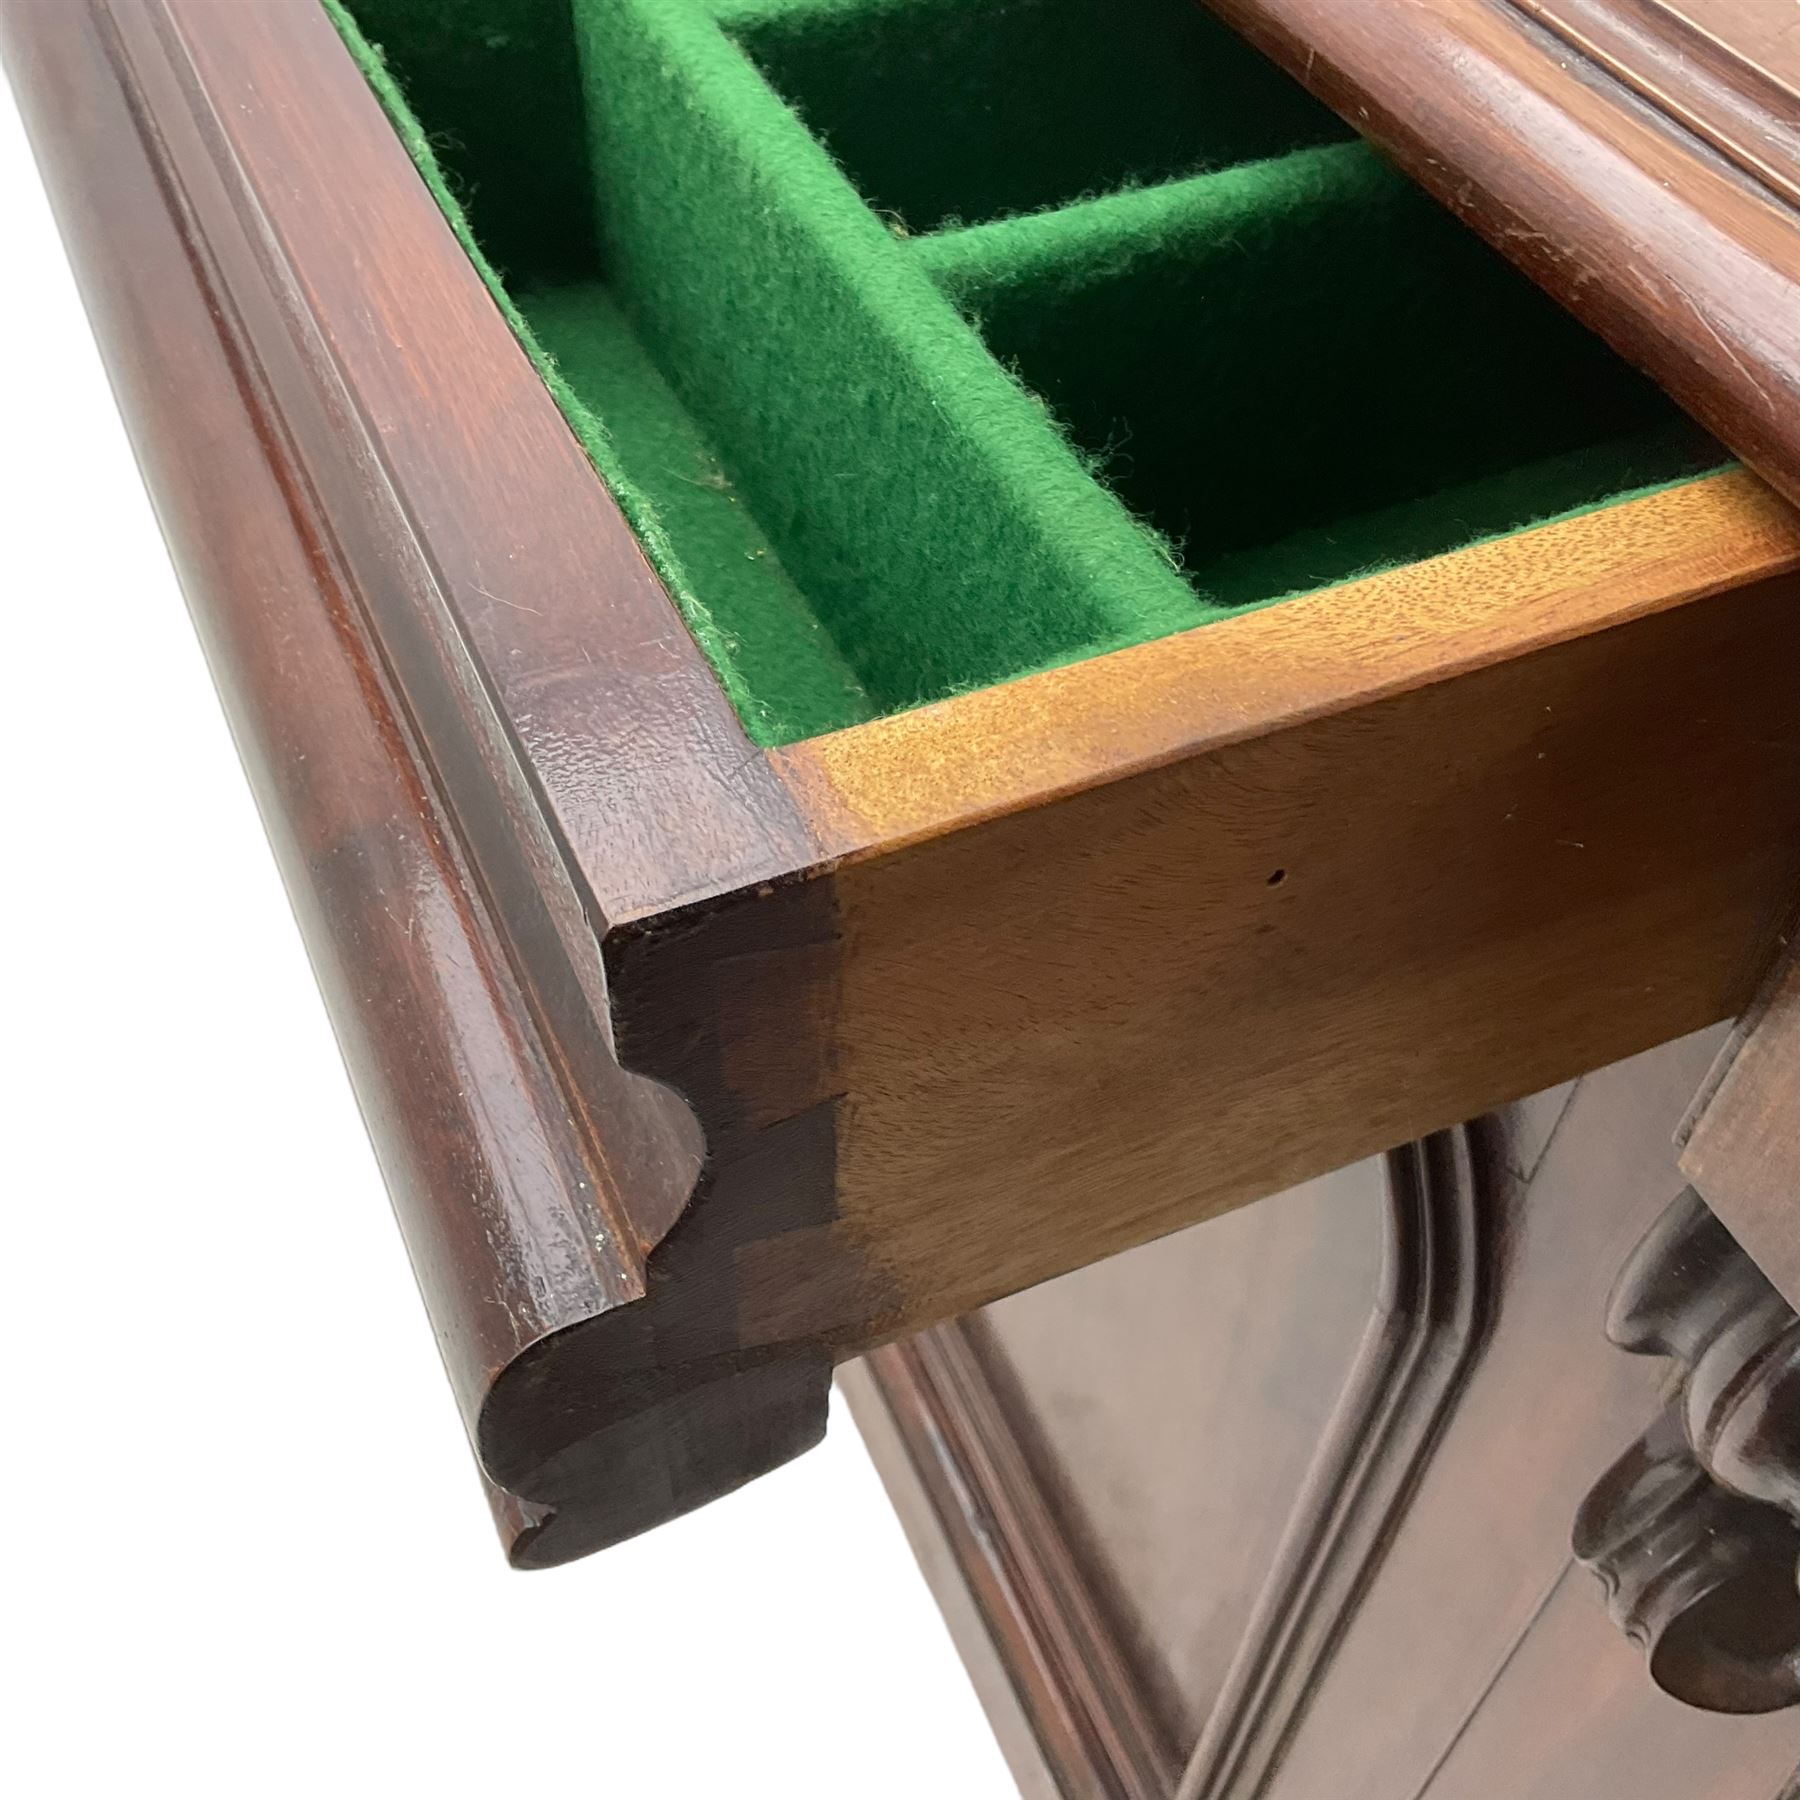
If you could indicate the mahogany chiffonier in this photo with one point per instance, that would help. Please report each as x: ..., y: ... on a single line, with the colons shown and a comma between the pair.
x: 900, y: 652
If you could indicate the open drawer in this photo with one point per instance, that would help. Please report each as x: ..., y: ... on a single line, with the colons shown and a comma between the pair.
x: 894, y: 645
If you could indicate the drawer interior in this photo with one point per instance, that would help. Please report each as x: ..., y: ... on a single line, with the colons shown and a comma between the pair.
x: 930, y: 342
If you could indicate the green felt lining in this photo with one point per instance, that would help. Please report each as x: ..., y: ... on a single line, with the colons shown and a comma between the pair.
x: 943, y: 110
x: 929, y: 342
x: 1301, y: 368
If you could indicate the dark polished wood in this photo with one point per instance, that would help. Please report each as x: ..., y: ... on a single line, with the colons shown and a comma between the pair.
x: 1728, y: 70
x: 1695, y: 1533
x: 1740, y: 1145
x: 1689, y: 1292
x: 436, y: 1030
x: 697, y: 1068
x: 450, y: 888
x: 1399, y: 1608
x: 1071, y: 1673
x: 1432, y: 1310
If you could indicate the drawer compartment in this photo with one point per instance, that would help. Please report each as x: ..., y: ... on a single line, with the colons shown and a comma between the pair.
x: 1302, y: 370
x: 1118, y: 336
x: 943, y: 114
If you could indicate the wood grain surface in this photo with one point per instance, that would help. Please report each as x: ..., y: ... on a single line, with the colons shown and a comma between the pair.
x: 1087, y: 1722
x: 1366, y: 890
x: 1728, y: 70
x: 1741, y: 1145
x: 402, y: 566
x: 445, y: 1054
x: 695, y: 1067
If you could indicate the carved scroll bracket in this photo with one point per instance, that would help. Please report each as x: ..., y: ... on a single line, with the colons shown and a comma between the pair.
x: 1694, y: 1532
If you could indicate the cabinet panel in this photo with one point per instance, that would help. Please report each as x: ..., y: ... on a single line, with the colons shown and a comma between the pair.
x: 1171, y: 1414
x: 1290, y: 1504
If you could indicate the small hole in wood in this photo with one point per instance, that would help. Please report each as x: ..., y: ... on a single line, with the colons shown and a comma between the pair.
x: 1278, y: 878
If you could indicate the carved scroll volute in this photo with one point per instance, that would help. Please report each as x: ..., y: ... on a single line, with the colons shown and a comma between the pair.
x: 1699, y: 1578
x: 1695, y: 1532
x: 1688, y: 1291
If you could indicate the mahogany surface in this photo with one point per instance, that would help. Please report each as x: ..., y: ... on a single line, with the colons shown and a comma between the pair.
x: 530, y: 1173
x: 1740, y: 1145
x: 696, y: 1068
x: 1729, y: 70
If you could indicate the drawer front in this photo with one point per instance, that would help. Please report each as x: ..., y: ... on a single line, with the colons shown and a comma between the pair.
x: 1460, y: 1511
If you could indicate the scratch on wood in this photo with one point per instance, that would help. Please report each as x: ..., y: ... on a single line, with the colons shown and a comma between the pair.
x: 1712, y: 331
x: 516, y: 605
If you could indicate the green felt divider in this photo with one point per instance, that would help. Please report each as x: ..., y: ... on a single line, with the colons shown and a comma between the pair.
x: 761, y: 620
x: 1302, y: 369
x: 942, y: 110
x: 1292, y: 365
x: 944, y: 531
x: 451, y: 185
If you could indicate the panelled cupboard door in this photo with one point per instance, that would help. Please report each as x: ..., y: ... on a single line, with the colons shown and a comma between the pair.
x: 1482, y: 1660
x: 1176, y: 1475
x: 1468, y: 1473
